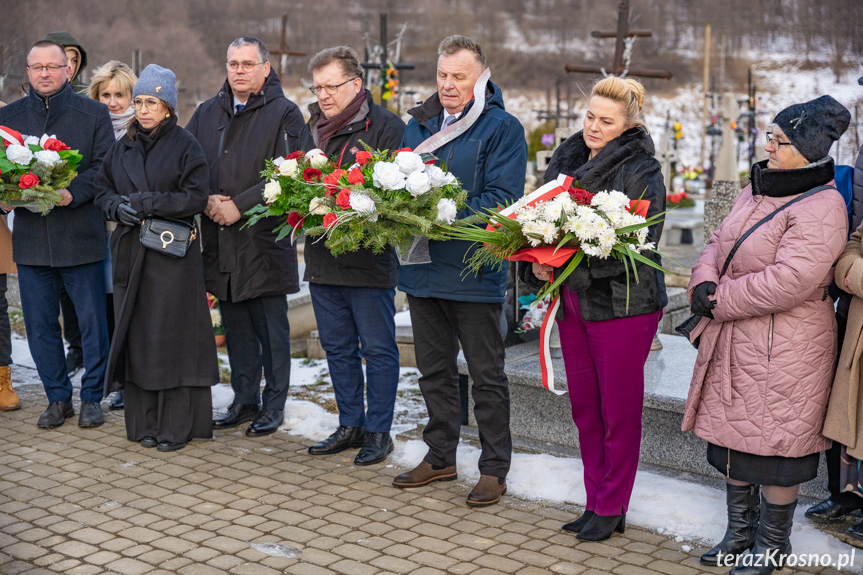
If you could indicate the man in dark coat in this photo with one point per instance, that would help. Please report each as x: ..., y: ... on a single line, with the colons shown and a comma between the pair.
x: 248, y: 122
x: 354, y: 294
x: 66, y: 247
x: 489, y: 159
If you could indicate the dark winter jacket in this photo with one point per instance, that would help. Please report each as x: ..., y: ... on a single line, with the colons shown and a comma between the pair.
x: 75, y: 234
x: 489, y: 160
x: 66, y: 40
x: 625, y: 164
x: 164, y: 336
x: 249, y: 260
x: 382, y: 130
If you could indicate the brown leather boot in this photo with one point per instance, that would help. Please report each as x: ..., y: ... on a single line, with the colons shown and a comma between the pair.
x: 487, y: 491
x: 423, y: 474
x: 8, y: 398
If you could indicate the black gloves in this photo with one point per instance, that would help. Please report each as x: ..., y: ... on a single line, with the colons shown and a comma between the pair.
x: 701, y: 304
x: 126, y: 214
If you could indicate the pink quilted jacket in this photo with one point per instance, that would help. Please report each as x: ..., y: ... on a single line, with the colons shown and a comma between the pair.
x: 765, y: 363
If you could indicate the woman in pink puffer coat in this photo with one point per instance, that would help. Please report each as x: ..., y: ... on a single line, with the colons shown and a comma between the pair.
x: 767, y: 349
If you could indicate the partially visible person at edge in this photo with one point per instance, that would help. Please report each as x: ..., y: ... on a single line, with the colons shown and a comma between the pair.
x: 112, y: 85
x: 762, y: 412
x: 842, y: 503
x: 843, y: 423
x: 446, y: 309
x: 47, y: 260
x: 166, y: 367
x: 604, y: 343
x: 247, y: 122
x: 9, y: 400
x: 353, y: 295
x: 71, y: 331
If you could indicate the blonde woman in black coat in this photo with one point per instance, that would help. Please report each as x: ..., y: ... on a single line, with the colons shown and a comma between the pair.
x: 163, y: 353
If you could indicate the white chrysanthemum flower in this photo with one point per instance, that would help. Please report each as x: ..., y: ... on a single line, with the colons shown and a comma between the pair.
x: 446, y: 210
x: 645, y: 246
x: 362, y: 203
x: 386, y: 175
x: 409, y: 162
x: 216, y: 317
x: 289, y: 167
x: 272, y: 190
x: 607, y: 238
x: 418, y: 183
x: 549, y: 232
x: 533, y: 233
x: 619, y: 198
x: 552, y: 210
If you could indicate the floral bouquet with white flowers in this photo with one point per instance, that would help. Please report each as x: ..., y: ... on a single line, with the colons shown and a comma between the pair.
x: 382, y: 200
x: 32, y: 170
x: 558, y: 224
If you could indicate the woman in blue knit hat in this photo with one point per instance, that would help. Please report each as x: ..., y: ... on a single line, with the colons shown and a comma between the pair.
x: 163, y: 353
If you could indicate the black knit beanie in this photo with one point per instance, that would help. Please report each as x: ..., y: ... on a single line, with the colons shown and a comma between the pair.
x: 813, y: 126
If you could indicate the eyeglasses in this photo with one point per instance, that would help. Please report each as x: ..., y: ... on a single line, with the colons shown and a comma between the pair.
x: 152, y: 105
x: 331, y: 90
x: 245, y: 66
x: 774, y: 142
x: 52, y: 68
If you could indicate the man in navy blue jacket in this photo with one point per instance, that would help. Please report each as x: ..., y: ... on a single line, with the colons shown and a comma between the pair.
x: 66, y: 247
x: 447, y: 308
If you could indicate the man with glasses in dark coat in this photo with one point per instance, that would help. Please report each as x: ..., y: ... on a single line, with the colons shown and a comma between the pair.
x: 246, y: 123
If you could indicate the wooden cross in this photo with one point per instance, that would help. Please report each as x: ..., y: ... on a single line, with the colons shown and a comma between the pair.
x: 383, y: 64
x: 283, y: 51
x: 621, y: 63
x: 556, y: 114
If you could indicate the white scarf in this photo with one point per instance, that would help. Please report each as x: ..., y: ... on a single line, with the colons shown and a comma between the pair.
x: 121, y: 122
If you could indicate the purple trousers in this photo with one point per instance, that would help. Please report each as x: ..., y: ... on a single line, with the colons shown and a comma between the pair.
x: 604, y: 363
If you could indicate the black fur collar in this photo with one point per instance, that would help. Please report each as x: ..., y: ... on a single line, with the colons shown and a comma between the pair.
x: 571, y: 157
x: 783, y: 183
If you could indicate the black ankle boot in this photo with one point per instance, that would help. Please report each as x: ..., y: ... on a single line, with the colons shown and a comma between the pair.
x: 600, y: 527
x: 743, y: 503
x: 577, y: 525
x: 772, y: 540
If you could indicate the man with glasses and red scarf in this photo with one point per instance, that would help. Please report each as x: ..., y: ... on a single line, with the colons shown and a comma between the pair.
x: 247, y: 122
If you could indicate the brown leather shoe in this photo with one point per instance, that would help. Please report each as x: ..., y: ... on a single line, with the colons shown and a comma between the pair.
x: 423, y: 474
x: 487, y: 491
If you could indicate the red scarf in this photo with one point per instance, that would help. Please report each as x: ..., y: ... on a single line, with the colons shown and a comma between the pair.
x: 329, y: 127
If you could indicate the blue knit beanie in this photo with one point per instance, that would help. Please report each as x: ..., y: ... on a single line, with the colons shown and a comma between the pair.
x: 157, y: 82
x: 813, y: 126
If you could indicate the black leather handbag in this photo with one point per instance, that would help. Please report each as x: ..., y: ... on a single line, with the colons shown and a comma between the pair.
x: 689, y: 323
x: 168, y: 236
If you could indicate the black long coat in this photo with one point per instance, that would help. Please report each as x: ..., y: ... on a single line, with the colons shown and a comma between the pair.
x: 163, y: 337
x: 236, y: 146
x: 382, y: 130
x: 625, y: 164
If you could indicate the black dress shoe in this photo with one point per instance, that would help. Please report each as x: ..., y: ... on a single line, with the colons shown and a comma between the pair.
x: 149, y: 442
x: 266, y: 423
x: 375, y: 448
x: 600, y: 527
x: 578, y: 524
x: 343, y: 438
x: 91, y: 414
x: 829, y: 511
x: 238, y: 413
x: 56, y: 414
x: 856, y: 531
x: 117, y: 402
x: 170, y: 445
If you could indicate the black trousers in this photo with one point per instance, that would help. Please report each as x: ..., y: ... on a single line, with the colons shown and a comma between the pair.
x: 5, y: 325
x: 439, y: 325
x: 176, y: 415
x: 258, y: 336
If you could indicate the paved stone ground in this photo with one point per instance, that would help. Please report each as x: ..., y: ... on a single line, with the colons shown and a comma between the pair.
x: 87, y: 501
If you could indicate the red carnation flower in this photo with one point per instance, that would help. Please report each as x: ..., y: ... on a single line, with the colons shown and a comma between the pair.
x: 356, y: 176
x: 28, y: 180
x: 363, y: 158
x: 312, y: 175
x: 294, y: 218
x: 581, y: 197
x: 55, y: 145
x: 330, y: 219
x: 344, y: 199
x: 295, y: 155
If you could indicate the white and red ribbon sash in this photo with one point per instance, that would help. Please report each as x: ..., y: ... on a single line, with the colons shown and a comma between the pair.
x: 545, y: 365
x: 11, y: 136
